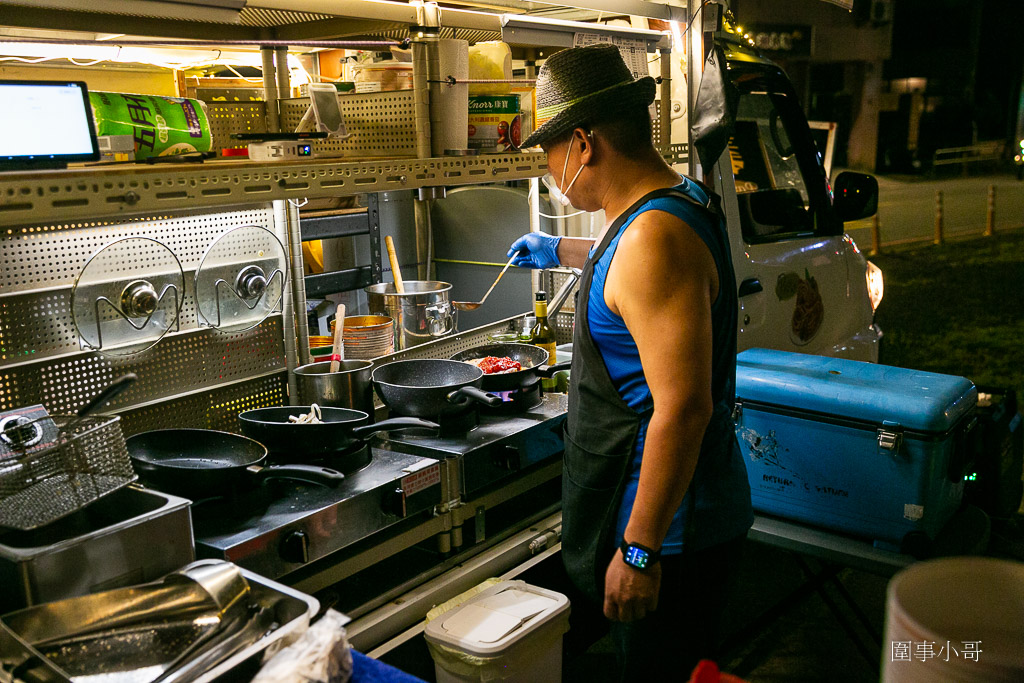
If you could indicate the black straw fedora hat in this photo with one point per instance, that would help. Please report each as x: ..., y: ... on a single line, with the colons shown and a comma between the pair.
x: 582, y: 84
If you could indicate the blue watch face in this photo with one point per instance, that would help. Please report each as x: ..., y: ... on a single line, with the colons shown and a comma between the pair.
x: 636, y: 557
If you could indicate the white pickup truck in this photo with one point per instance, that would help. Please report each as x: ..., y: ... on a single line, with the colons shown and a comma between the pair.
x: 803, y: 284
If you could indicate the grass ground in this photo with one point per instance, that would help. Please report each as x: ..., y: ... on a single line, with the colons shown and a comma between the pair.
x: 957, y: 308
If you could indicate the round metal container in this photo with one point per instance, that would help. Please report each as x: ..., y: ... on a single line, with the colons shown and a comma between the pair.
x: 368, y: 336
x: 350, y: 387
x: 422, y: 314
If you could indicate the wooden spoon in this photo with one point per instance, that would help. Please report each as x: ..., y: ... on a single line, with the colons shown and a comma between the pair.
x: 338, y: 350
x: 395, y: 270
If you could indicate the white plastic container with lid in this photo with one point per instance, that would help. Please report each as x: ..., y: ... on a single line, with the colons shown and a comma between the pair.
x: 511, y: 632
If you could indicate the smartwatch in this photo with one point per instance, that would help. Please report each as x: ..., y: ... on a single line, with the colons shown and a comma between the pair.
x: 638, y: 556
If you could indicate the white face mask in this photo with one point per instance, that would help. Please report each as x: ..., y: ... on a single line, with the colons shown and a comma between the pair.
x: 562, y: 196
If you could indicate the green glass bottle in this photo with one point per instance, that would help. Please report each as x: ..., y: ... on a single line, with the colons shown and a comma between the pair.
x: 543, y: 335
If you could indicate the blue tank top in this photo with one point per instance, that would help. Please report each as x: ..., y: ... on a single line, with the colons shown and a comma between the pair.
x: 720, y: 489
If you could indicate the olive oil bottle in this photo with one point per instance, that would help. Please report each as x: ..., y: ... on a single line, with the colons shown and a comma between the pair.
x: 543, y: 335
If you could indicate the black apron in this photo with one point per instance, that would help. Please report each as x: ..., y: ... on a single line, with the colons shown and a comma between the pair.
x: 601, y: 433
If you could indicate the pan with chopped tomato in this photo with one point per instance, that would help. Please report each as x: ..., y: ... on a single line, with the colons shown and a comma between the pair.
x: 508, y: 367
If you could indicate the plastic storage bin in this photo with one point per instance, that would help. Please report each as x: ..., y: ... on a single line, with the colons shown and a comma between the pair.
x: 510, y: 632
x: 871, y: 450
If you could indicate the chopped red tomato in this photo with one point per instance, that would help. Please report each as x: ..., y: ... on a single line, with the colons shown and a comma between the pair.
x: 492, y: 364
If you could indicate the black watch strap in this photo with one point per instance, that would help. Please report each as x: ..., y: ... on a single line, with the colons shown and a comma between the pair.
x: 632, y: 558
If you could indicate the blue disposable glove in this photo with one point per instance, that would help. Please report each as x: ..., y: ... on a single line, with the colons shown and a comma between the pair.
x: 535, y: 250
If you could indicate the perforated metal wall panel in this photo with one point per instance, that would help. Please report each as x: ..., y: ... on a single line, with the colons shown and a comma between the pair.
x: 381, y: 124
x: 216, y: 409
x: 228, y: 118
x: 178, y: 364
x: 42, y: 361
x: 49, y: 256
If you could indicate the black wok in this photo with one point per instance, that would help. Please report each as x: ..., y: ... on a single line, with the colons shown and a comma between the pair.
x: 341, y: 429
x: 199, y: 463
x: 533, y: 360
x: 430, y: 387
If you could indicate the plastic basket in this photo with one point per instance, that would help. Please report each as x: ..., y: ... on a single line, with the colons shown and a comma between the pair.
x: 53, y: 466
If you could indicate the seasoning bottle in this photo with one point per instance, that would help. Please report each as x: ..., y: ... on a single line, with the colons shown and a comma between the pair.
x: 542, y: 335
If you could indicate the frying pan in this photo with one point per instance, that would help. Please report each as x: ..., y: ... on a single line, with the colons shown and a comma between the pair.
x: 430, y: 387
x: 532, y: 358
x: 337, y: 432
x: 199, y: 463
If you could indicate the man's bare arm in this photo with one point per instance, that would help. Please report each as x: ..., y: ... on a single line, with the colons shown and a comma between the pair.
x: 661, y: 283
x: 573, y: 251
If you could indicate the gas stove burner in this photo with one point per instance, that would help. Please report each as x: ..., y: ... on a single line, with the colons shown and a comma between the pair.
x: 519, y: 400
x: 346, y: 461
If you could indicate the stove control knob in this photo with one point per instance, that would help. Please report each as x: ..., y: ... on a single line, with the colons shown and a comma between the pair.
x: 394, y: 503
x: 295, y: 547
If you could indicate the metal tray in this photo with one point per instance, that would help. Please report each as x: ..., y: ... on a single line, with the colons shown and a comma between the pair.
x: 293, y: 611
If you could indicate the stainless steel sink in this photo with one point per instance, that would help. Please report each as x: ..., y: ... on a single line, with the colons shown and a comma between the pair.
x: 131, y: 536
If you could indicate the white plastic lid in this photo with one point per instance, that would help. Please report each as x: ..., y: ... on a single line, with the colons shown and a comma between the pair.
x: 495, y: 619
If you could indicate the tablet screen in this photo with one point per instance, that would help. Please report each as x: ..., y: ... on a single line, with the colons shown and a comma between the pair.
x: 45, y: 123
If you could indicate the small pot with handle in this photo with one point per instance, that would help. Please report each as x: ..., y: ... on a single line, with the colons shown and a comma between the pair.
x: 350, y: 387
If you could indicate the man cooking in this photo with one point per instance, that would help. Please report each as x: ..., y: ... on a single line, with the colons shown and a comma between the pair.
x: 655, y: 495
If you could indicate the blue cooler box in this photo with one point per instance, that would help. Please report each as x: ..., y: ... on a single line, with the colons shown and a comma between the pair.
x: 872, y: 450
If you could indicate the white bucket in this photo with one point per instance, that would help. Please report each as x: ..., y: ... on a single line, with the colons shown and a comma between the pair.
x: 956, y: 619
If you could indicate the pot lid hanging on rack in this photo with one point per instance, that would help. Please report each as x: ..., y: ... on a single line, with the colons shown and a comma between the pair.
x: 128, y: 296
x: 240, y: 279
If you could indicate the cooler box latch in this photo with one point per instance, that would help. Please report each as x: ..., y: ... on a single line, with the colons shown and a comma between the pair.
x: 889, y: 439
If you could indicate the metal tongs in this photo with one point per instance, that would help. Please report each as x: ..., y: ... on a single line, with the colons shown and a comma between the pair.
x: 209, y: 592
x: 562, y: 295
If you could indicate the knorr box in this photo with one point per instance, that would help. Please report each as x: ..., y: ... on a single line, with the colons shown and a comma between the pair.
x: 495, y: 124
x: 160, y: 126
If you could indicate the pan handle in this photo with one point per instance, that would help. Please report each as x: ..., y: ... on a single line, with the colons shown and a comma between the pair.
x: 470, y: 393
x: 550, y: 370
x: 310, y: 473
x: 393, y: 424
x: 108, y: 394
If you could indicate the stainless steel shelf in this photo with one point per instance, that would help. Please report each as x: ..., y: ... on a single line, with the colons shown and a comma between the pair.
x: 127, y: 190
x: 337, y: 225
x: 318, y: 286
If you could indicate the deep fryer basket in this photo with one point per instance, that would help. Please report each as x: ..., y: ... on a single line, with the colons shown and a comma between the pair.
x: 76, y: 461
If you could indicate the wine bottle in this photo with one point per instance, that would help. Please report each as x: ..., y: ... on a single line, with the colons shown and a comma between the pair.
x: 543, y: 335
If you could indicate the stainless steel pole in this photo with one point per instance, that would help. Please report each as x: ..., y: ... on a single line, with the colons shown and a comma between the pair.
x: 665, y: 107
x: 421, y: 98
x: 694, y: 67
x: 270, y: 89
x: 284, y: 85
x: 298, y: 284
x: 291, y: 357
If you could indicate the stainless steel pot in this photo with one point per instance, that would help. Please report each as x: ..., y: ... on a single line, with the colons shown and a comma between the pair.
x: 422, y: 314
x: 350, y: 387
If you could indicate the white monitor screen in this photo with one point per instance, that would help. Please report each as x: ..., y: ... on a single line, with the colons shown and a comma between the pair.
x: 45, y: 123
